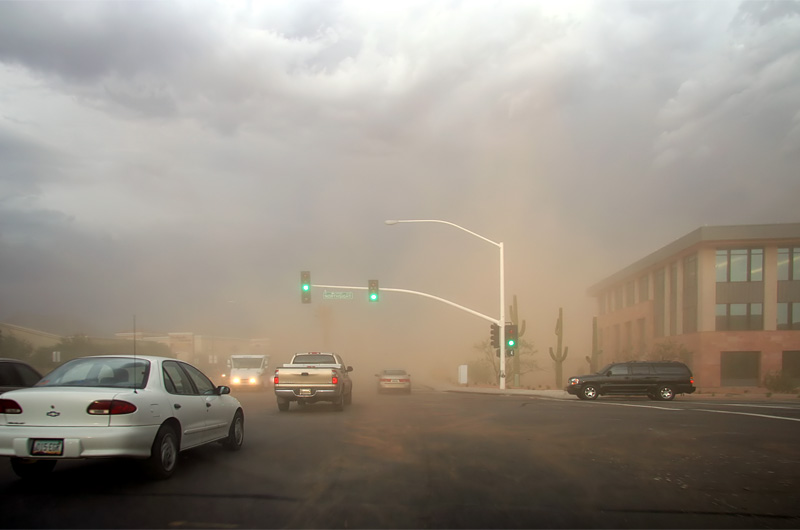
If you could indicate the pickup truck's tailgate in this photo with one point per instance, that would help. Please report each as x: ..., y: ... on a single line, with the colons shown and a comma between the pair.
x: 305, y: 376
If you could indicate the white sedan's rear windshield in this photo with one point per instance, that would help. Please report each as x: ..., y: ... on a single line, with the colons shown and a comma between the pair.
x: 314, y: 359
x: 114, y: 372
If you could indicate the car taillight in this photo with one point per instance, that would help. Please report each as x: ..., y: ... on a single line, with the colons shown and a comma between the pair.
x: 275, y: 380
x: 104, y: 407
x: 334, y: 380
x: 691, y: 380
x: 9, y: 406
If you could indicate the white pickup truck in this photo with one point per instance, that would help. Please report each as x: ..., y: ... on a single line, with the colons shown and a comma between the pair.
x: 312, y: 377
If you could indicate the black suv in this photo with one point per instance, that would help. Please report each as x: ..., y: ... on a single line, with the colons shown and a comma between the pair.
x: 655, y: 379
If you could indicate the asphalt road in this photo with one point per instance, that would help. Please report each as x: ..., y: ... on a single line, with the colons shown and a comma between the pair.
x: 452, y: 460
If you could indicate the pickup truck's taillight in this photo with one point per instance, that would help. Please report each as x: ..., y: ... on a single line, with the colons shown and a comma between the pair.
x: 275, y: 380
x: 335, y: 380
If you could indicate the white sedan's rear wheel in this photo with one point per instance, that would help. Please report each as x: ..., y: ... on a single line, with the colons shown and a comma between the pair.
x: 164, y: 454
x: 236, y: 433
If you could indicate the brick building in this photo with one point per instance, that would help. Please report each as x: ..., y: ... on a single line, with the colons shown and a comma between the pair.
x: 727, y: 296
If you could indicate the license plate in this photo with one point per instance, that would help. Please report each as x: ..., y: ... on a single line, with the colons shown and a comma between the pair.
x: 305, y: 391
x: 48, y: 448
x: 395, y: 381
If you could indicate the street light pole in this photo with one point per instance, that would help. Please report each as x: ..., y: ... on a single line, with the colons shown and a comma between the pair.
x: 502, y: 320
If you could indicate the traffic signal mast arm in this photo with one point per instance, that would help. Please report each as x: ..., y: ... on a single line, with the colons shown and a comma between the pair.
x: 426, y: 295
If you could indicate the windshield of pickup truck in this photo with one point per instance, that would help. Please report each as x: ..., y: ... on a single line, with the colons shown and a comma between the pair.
x: 314, y: 359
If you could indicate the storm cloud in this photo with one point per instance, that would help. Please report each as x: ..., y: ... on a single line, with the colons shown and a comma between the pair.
x: 183, y: 161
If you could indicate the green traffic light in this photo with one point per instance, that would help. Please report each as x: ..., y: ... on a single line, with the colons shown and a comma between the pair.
x: 511, y: 343
x: 306, y: 287
x: 373, y: 297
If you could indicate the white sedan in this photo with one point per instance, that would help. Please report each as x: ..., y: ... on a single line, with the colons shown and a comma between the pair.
x: 117, y: 406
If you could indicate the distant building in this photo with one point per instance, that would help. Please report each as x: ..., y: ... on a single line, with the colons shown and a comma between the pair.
x: 208, y: 352
x: 729, y: 295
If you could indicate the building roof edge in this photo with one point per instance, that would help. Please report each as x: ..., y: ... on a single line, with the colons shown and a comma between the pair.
x: 701, y: 235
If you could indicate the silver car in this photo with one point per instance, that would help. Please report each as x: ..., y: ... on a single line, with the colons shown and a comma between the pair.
x: 143, y: 407
x: 394, y: 380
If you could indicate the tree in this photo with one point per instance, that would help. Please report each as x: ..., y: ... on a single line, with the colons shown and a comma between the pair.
x: 486, y: 369
x: 14, y: 348
x: 83, y: 346
x: 670, y: 350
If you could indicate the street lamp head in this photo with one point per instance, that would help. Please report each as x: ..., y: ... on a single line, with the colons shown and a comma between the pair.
x: 390, y: 222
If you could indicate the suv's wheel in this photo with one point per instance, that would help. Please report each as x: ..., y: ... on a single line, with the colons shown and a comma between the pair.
x: 666, y: 393
x: 283, y: 405
x: 588, y: 392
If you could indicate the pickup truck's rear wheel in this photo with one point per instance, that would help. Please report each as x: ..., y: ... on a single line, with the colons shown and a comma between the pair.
x: 348, y: 399
x: 283, y: 405
x: 338, y: 405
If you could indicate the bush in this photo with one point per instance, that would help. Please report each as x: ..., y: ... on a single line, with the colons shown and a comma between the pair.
x: 779, y: 382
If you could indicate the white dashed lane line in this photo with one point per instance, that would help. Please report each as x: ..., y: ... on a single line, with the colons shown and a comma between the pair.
x: 735, y: 412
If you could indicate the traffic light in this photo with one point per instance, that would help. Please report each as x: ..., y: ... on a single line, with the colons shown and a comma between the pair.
x: 511, y: 337
x: 305, y: 287
x: 374, y: 296
x: 495, y: 334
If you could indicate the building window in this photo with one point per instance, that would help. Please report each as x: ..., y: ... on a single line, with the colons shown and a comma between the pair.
x: 740, y: 368
x: 640, y: 339
x: 690, y: 290
x: 644, y: 288
x: 628, y: 339
x: 740, y: 265
x: 739, y: 317
x: 790, y: 365
x: 789, y: 264
x: 788, y: 315
x: 673, y: 299
x: 659, y: 287
x: 630, y: 294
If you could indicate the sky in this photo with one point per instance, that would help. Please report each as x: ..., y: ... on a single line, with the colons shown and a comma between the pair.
x: 180, y: 162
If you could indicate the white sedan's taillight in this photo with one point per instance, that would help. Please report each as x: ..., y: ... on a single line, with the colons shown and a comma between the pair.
x: 104, y: 407
x: 9, y: 406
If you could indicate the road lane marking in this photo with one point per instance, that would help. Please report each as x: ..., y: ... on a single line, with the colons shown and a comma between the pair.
x: 640, y: 406
x: 749, y: 414
x: 790, y: 407
x: 769, y: 416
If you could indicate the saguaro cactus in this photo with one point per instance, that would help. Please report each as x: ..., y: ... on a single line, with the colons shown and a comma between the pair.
x: 559, y: 357
x: 594, y: 360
